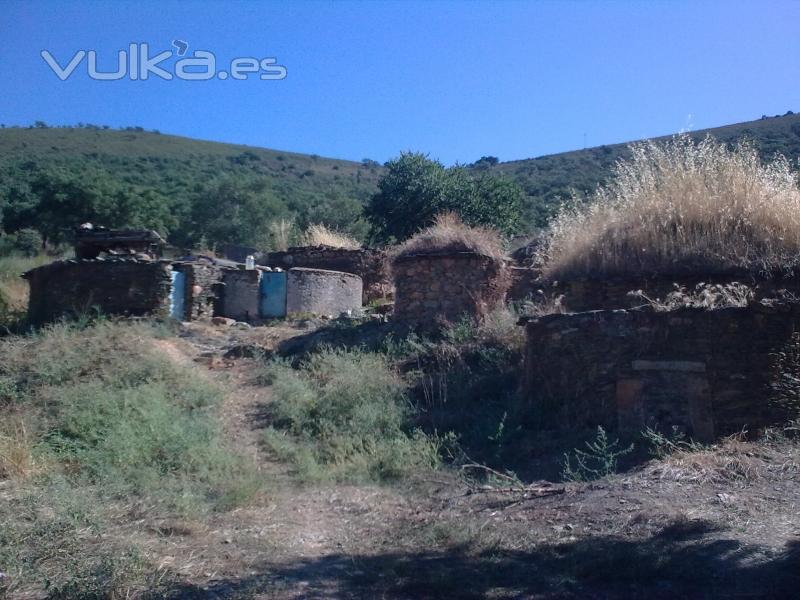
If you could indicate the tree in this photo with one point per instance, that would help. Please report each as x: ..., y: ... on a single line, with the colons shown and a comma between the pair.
x: 414, y: 189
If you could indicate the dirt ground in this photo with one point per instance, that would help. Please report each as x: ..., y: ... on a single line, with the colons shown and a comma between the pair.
x: 717, y: 523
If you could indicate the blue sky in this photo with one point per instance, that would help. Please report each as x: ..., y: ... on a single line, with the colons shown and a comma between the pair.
x: 458, y: 80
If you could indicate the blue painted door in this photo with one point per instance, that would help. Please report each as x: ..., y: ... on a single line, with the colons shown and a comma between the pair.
x: 177, y: 297
x: 273, y: 294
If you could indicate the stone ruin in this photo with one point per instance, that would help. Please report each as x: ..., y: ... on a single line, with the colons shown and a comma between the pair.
x: 707, y: 372
x: 92, y: 242
x: 619, y: 356
x: 434, y: 287
x: 120, y: 274
x: 368, y: 263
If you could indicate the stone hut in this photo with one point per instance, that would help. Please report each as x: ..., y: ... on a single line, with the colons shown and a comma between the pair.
x: 707, y: 372
x: 321, y: 292
x: 447, y: 272
x: 118, y: 286
x: 368, y: 263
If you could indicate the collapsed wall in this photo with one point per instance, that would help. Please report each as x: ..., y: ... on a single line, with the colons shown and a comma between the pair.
x: 120, y: 286
x: 447, y: 286
x: 368, y: 263
x: 708, y: 372
x: 321, y: 292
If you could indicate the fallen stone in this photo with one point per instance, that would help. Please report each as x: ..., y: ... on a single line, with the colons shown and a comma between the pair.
x: 222, y: 321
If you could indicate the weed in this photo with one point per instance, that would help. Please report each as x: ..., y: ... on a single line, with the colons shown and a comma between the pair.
x: 597, y: 461
x: 663, y: 445
x: 345, y: 415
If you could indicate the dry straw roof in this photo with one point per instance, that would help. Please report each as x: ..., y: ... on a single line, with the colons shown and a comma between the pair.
x: 449, y: 235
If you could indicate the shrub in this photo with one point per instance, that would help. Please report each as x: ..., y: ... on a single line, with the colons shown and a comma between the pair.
x: 681, y: 206
x: 28, y: 242
x: 320, y: 235
x: 344, y: 415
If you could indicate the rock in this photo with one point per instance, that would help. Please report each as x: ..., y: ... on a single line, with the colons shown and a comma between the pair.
x: 222, y: 321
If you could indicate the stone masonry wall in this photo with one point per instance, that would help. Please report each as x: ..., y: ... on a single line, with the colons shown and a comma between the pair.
x: 321, y: 292
x: 598, y: 294
x: 446, y: 287
x: 241, y: 294
x: 202, y: 289
x: 708, y: 372
x: 114, y: 286
x: 369, y: 264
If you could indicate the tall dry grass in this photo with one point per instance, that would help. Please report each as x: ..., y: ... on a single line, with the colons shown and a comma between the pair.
x: 681, y: 206
x: 280, y: 234
x: 320, y: 235
x: 449, y: 234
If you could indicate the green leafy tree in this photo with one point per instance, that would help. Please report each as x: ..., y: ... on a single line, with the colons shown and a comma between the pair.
x: 414, y: 189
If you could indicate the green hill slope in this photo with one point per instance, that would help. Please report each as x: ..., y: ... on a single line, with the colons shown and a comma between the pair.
x: 191, y: 181
x: 208, y: 193
x: 548, y: 179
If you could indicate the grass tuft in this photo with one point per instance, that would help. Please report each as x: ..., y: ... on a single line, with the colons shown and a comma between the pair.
x: 321, y: 235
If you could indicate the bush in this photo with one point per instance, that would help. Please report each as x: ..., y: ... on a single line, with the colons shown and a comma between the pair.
x: 28, y: 242
x: 344, y: 415
x: 681, y: 206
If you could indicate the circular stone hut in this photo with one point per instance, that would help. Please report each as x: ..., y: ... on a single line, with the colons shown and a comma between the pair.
x: 447, y: 272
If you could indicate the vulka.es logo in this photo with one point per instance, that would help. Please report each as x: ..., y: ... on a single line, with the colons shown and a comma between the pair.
x: 136, y: 64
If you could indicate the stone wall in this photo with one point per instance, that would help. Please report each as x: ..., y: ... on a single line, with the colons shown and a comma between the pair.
x: 241, y: 295
x: 598, y: 294
x: 113, y: 286
x: 322, y: 292
x: 203, y: 288
x: 369, y: 264
x: 430, y: 288
x: 708, y: 372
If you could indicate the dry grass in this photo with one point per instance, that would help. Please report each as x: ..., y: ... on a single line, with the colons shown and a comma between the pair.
x: 320, y: 235
x: 708, y: 296
x: 681, y: 206
x: 17, y: 459
x: 280, y: 234
x: 449, y: 234
x: 733, y: 459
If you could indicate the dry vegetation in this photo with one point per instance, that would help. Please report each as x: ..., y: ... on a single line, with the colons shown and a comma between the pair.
x: 320, y: 235
x: 681, y: 206
x: 450, y: 234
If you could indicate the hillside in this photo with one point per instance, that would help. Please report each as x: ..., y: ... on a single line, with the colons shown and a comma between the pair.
x: 209, y: 193
x: 547, y: 179
x: 180, y: 175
